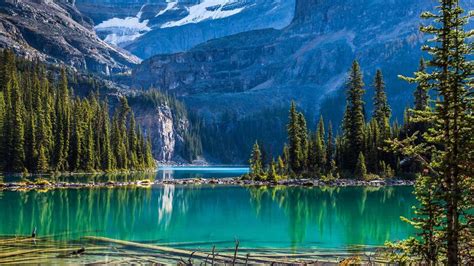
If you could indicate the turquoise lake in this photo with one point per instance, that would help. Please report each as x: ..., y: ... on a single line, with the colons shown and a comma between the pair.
x: 201, y: 216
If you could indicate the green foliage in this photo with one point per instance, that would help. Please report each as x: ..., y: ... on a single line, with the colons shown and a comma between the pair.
x: 256, y: 166
x: 382, y: 110
x: 360, y: 171
x: 315, y: 155
x: 44, y: 128
x: 354, y: 118
x: 445, y: 151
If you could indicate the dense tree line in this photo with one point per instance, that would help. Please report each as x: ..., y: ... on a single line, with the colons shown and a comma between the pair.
x: 45, y: 128
x: 356, y: 153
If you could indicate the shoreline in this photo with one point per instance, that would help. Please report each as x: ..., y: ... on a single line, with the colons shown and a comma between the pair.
x: 230, y: 181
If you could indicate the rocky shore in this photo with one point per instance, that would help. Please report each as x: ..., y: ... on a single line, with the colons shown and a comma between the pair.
x: 45, y: 184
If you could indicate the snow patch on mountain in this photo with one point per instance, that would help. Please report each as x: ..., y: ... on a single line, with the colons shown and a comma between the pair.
x: 207, y: 9
x: 123, y: 30
x: 131, y: 23
x: 169, y: 6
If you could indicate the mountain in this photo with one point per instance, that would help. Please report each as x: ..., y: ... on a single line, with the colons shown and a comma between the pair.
x: 307, y: 61
x: 56, y: 32
x: 147, y: 28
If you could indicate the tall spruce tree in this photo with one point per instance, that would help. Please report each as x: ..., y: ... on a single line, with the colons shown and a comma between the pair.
x: 256, y: 167
x: 303, y: 136
x: 62, y: 124
x: 382, y: 110
x: 330, y: 147
x: 295, y: 151
x: 17, y: 137
x: 354, y: 119
x: 360, y: 171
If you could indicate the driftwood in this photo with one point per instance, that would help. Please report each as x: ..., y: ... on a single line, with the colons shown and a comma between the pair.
x: 182, y: 252
x: 14, y: 250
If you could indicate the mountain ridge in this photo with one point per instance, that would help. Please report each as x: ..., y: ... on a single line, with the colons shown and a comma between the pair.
x: 56, y: 32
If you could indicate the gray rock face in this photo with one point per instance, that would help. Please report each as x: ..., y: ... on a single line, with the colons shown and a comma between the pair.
x: 56, y: 32
x: 163, y: 125
x: 146, y: 28
x: 306, y: 61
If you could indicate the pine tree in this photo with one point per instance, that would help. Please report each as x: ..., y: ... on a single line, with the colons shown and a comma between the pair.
x: 321, y: 145
x: 303, y: 136
x: 447, y: 184
x: 62, y: 124
x: 360, y: 169
x: 3, y: 111
x: 17, y: 137
x: 255, y: 161
x: 150, y: 162
x: 421, y: 92
x: 295, y: 151
x: 132, y: 142
x: 281, y: 167
x: 354, y: 120
x: 272, y: 171
x: 382, y: 110
x: 330, y: 148
x: 107, y: 157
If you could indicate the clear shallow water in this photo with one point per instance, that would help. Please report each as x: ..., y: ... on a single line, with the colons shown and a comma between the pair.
x: 202, y: 216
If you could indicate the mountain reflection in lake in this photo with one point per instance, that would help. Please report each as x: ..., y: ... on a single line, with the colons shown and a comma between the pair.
x: 204, y: 215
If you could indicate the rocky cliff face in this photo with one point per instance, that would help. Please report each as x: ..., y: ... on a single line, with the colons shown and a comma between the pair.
x: 56, y: 32
x: 165, y: 121
x: 147, y: 28
x: 159, y: 123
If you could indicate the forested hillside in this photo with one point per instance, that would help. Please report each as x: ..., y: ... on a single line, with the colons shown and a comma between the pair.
x: 44, y: 127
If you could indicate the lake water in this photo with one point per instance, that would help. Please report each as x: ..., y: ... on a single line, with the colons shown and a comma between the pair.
x: 179, y: 172
x: 163, y: 172
x: 200, y: 216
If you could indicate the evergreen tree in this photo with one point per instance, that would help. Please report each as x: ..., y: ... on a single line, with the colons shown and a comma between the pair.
x: 382, y: 110
x: 330, y: 148
x: 303, y: 136
x: 295, y: 151
x: 360, y: 169
x: 17, y: 137
x: 354, y: 121
x: 321, y: 145
x: 255, y: 161
x: 62, y: 124
x: 3, y: 112
x: 272, y: 171
x: 132, y: 142
x: 447, y: 185
x: 107, y: 158
x: 421, y: 92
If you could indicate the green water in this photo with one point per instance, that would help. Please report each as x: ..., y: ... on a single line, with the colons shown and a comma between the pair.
x: 163, y: 172
x: 202, y: 216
